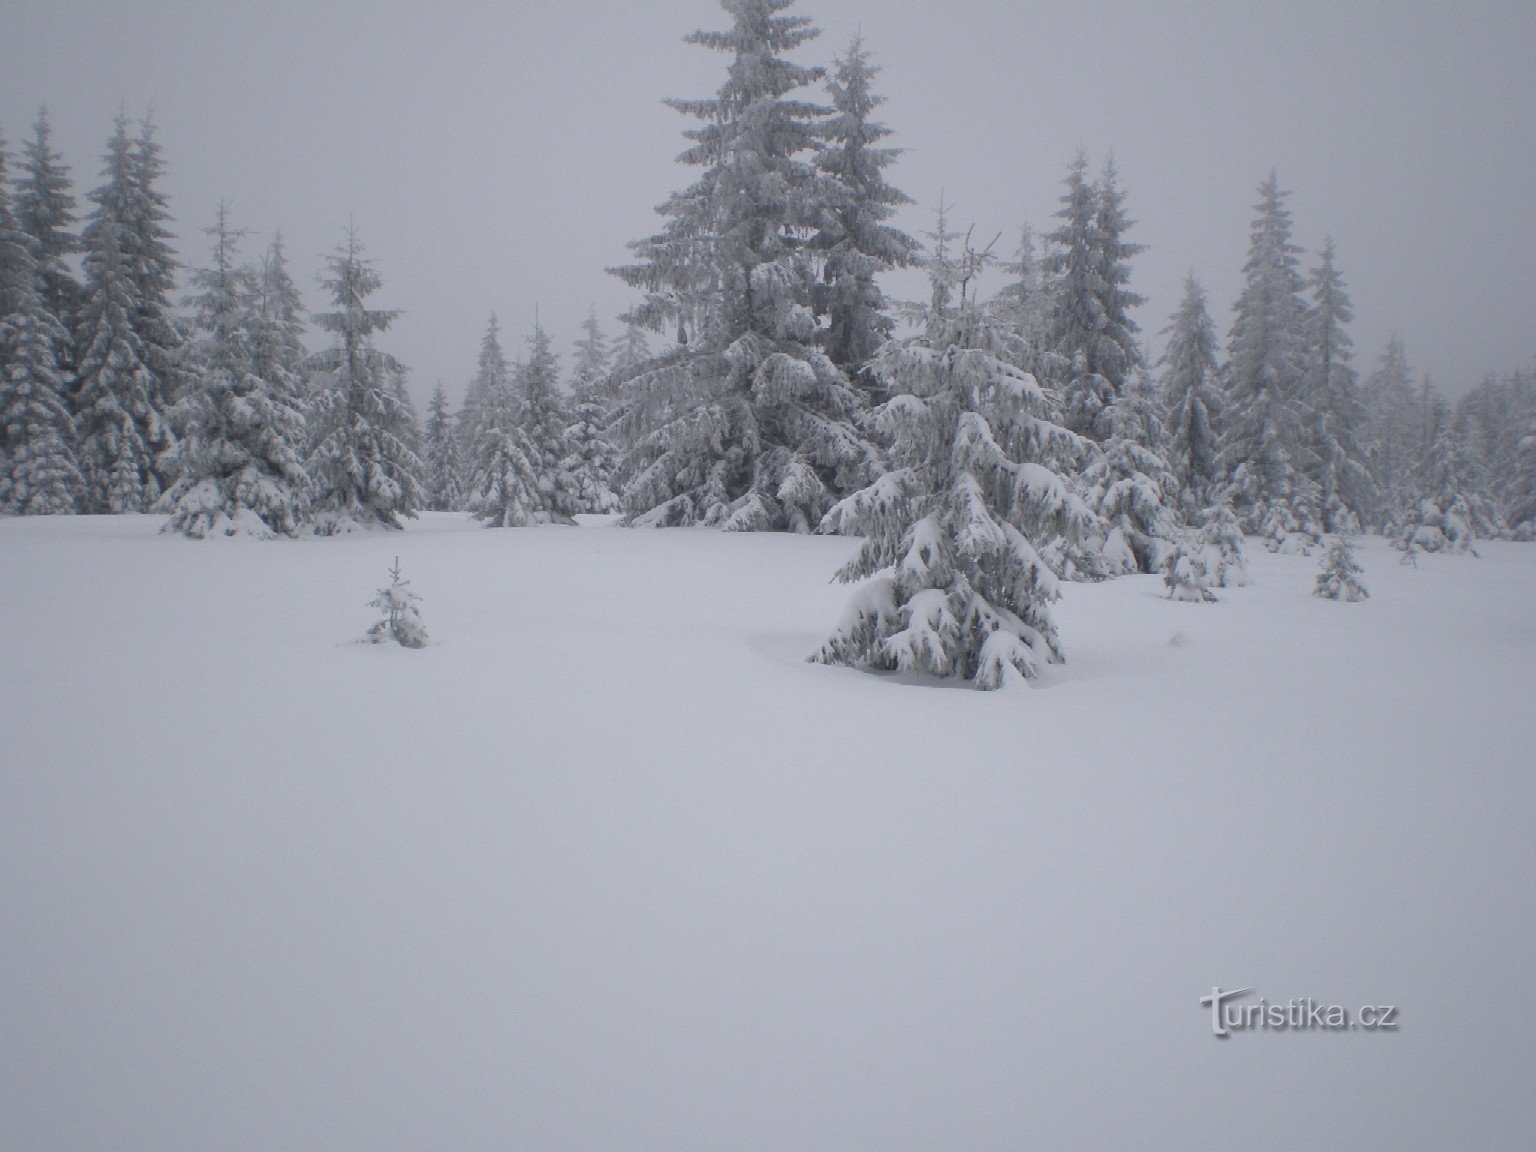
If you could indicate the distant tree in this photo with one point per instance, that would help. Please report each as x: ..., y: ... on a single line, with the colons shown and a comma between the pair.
x: 1192, y: 393
x: 280, y: 312
x: 1025, y: 299
x: 592, y: 461
x: 364, y: 464
x: 594, y: 358
x: 958, y: 585
x: 239, y: 463
x: 1522, y: 502
x: 503, y: 479
x: 45, y: 210
x: 38, y: 474
x: 1453, y: 509
x: 1266, y: 459
x: 119, y: 405
x: 444, y: 489
x: 857, y: 241
x: 1130, y: 484
x: 554, y: 494
x: 1388, y: 398
x: 1091, y: 329
x: 1346, y: 491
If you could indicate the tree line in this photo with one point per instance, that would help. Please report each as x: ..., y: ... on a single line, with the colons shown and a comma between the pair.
x: 985, y: 447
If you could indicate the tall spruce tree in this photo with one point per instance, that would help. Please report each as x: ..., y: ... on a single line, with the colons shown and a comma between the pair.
x: 45, y: 210
x: 444, y: 489
x: 554, y: 496
x: 857, y: 242
x: 38, y: 474
x: 1266, y: 460
x: 1389, y: 406
x: 1076, y: 290
x: 959, y: 587
x: 364, y: 464
x: 239, y: 463
x: 120, y: 421
x: 1130, y: 483
x: 1346, y: 492
x: 1192, y: 392
x: 502, y: 478
x: 1025, y: 299
x: 280, y: 310
x: 747, y: 424
x: 594, y: 358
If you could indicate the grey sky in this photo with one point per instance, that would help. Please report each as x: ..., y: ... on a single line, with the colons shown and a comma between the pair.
x: 500, y: 155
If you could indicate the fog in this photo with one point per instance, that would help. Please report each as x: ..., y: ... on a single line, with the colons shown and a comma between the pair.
x: 499, y: 156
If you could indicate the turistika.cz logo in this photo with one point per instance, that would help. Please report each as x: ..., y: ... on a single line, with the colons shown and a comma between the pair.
x: 1301, y: 1015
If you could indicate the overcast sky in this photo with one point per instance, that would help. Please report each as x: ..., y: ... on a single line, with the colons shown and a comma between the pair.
x: 498, y: 156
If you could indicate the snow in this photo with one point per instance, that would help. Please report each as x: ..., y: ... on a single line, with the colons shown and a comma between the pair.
x: 609, y: 865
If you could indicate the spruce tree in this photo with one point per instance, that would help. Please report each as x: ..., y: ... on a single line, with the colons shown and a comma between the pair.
x: 281, y: 312
x: 1338, y: 576
x: 857, y: 242
x: 592, y: 461
x: 1522, y: 497
x: 239, y: 463
x: 502, y: 478
x: 1453, y: 508
x: 38, y: 474
x: 1266, y: 459
x: 959, y: 587
x: 1192, y: 393
x: 1345, y: 489
x: 364, y: 464
x: 554, y: 495
x: 1025, y: 299
x: 443, y: 488
x: 45, y: 210
x: 594, y: 358
x: 1389, y: 407
x: 120, y: 402
x: 747, y: 424
x: 1076, y: 289
x: 1130, y: 484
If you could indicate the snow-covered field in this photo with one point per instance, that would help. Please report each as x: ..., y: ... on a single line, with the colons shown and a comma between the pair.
x: 609, y: 866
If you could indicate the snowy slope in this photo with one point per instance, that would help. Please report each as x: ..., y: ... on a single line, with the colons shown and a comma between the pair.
x: 609, y: 866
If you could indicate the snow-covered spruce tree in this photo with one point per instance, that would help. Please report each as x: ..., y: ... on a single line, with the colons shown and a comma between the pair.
x: 401, y: 619
x: 1089, y: 271
x: 554, y: 493
x: 1522, y: 498
x: 1185, y: 573
x: 1130, y: 485
x: 1266, y: 460
x: 115, y: 415
x: 1346, y: 492
x: 1338, y: 577
x: 239, y: 462
x: 1073, y: 269
x: 592, y: 460
x: 280, y: 314
x: 1453, y: 510
x: 958, y: 587
x: 141, y: 209
x: 747, y: 424
x: 858, y: 242
x: 1389, y: 418
x: 1192, y: 393
x: 502, y: 479
x: 594, y: 358
x: 1025, y: 300
x: 444, y: 488
x: 1221, y: 544
x: 38, y: 475
x: 45, y: 211
x: 1497, y: 414
x: 364, y: 465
